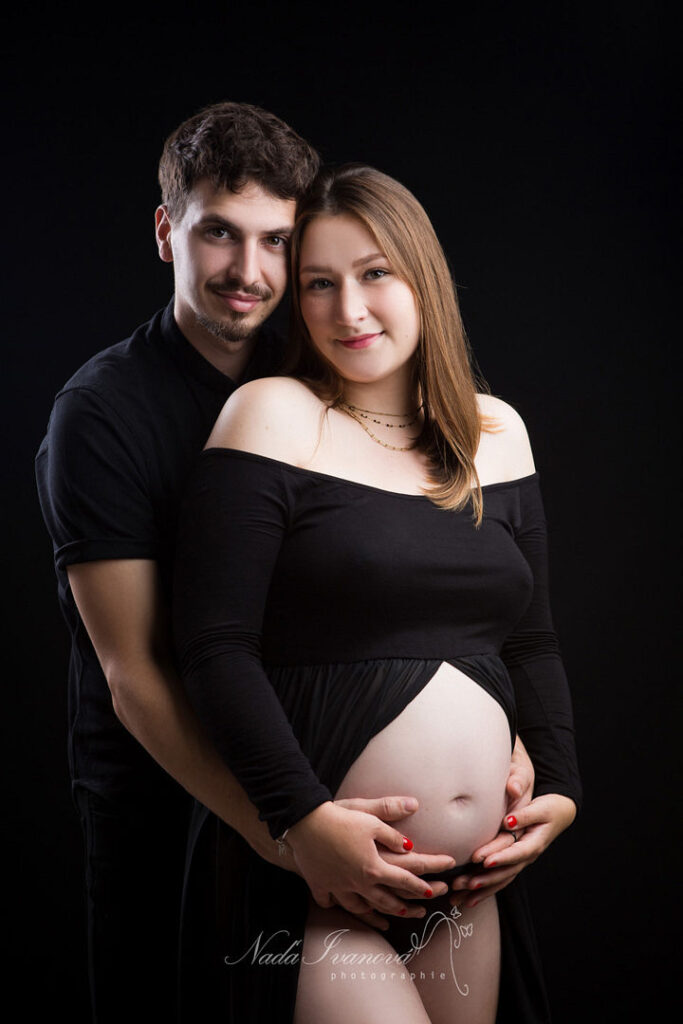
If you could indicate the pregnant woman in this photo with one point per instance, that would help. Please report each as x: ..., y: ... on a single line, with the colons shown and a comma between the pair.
x: 362, y: 609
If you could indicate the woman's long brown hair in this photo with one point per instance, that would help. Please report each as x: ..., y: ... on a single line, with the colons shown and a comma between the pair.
x: 445, y: 382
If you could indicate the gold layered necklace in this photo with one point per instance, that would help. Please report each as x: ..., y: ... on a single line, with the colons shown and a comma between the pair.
x: 358, y: 414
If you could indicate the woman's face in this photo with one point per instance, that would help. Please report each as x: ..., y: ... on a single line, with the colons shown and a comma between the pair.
x: 361, y: 317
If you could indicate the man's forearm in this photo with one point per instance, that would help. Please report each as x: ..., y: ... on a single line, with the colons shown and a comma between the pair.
x: 155, y: 709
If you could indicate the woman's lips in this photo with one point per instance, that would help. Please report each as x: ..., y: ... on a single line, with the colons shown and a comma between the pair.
x: 359, y: 341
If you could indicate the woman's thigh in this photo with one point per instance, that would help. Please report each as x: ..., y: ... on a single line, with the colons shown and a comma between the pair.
x: 350, y: 972
x: 456, y: 968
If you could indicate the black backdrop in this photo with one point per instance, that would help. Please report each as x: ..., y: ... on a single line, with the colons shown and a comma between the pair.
x: 541, y: 140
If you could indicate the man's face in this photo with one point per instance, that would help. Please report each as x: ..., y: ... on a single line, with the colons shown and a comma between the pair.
x: 229, y: 255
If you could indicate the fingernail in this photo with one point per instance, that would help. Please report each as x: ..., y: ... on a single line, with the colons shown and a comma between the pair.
x: 402, y: 912
x: 410, y: 804
x: 478, y: 885
x: 428, y: 892
x: 511, y: 821
x: 492, y: 863
x: 407, y: 845
x: 472, y: 903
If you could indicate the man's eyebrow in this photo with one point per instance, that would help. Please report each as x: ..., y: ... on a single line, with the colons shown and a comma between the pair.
x: 215, y: 219
x: 310, y: 269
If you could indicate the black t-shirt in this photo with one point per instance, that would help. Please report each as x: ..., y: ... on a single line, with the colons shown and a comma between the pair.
x: 124, y: 434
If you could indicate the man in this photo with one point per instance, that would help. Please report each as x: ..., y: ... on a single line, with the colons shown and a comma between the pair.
x: 123, y: 436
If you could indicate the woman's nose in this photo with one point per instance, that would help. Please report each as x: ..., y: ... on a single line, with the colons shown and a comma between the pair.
x: 350, y: 305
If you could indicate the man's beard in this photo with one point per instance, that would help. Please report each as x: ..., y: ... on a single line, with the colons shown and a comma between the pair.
x: 233, y: 331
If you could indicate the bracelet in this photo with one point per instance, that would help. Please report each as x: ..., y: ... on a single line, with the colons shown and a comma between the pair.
x: 281, y: 844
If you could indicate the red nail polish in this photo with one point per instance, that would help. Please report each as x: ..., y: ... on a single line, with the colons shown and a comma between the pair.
x: 473, y: 903
x: 402, y: 912
x: 407, y: 844
x: 492, y: 863
x: 478, y: 885
x: 511, y: 821
x: 428, y: 892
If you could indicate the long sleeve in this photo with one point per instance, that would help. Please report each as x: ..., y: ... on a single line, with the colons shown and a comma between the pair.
x: 233, y: 522
x: 532, y: 655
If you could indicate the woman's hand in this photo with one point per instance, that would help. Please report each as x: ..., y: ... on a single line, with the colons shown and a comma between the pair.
x: 336, y: 851
x: 536, y: 826
x: 519, y: 790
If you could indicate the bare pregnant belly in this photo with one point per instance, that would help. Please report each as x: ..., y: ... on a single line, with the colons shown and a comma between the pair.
x: 450, y: 748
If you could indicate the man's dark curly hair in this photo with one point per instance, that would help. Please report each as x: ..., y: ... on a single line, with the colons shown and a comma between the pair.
x: 232, y: 144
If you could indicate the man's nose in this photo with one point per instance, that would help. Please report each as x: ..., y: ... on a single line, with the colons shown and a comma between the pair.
x: 245, y: 263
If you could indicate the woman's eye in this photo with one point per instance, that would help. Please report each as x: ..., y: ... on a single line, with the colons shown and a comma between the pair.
x: 376, y: 274
x: 319, y: 284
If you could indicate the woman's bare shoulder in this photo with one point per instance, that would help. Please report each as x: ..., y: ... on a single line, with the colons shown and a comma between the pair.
x: 277, y: 417
x: 504, y: 449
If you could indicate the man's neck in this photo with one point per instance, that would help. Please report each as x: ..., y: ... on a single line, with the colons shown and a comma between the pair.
x: 229, y: 357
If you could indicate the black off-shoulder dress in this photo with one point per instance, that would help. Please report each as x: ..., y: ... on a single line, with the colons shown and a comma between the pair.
x: 309, y: 611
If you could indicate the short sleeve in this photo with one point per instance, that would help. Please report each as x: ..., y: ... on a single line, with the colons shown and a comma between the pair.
x: 93, y: 484
x: 532, y: 656
x: 235, y: 516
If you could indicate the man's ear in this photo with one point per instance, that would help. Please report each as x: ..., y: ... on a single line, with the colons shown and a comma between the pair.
x: 163, y: 233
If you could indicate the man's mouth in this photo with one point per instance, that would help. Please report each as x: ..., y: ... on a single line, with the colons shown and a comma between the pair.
x: 240, y: 302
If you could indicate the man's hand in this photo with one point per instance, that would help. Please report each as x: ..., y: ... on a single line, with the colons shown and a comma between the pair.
x: 393, y: 808
x: 520, y: 783
x: 388, y: 808
x: 536, y: 826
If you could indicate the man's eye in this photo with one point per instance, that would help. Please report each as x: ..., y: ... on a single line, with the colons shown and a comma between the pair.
x: 218, y: 232
x: 277, y: 241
